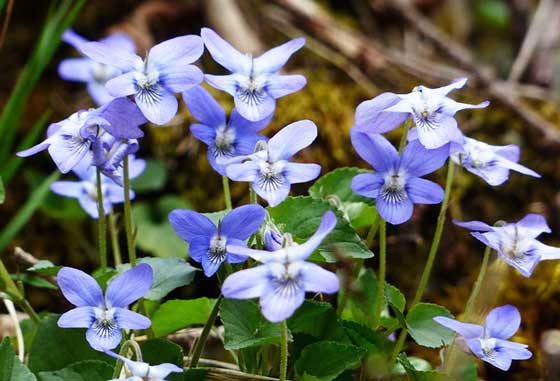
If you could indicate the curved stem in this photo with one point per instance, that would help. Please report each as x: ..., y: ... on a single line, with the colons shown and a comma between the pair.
x: 404, y: 136
x: 114, y: 239
x: 102, y: 228
x: 283, y: 351
x: 123, y: 352
x: 382, y: 271
x: 128, y: 215
x: 201, y: 342
x: 227, y: 193
x: 471, y: 303
x: 252, y: 195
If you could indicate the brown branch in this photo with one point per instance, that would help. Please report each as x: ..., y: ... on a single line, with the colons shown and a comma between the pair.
x: 26, y: 260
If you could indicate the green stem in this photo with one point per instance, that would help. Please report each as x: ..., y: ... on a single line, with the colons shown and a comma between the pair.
x: 382, y: 271
x: 431, y: 257
x: 124, y: 353
x: 9, y: 287
x: 128, y: 215
x: 283, y: 351
x: 114, y: 239
x: 227, y: 193
x: 201, y: 342
x: 102, y: 227
x: 373, y: 230
x: 404, y: 136
x: 471, y: 303
x: 252, y: 195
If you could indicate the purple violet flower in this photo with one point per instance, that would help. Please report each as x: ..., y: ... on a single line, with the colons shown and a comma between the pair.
x: 397, y: 184
x: 272, y: 236
x: 224, y: 139
x: 143, y: 371
x: 489, y: 342
x: 208, y: 242
x: 269, y: 169
x: 85, y: 190
x: 166, y: 70
x: 254, y: 83
x: 516, y: 243
x: 104, y: 316
x: 92, y: 73
x: 284, y: 277
x: 431, y: 110
x: 69, y: 140
x: 491, y: 163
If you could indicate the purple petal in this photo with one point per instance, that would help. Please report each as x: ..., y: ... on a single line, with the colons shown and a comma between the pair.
x: 533, y: 225
x: 368, y: 184
x: 234, y: 258
x: 292, y: 139
x: 525, y: 267
x: 90, y: 206
x: 35, y: 149
x: 80, y: 317
x: 258, y: 255
x: 317, y: 279
x: 255, y: 109
x: 546, y: 252
x: 281, y: 85
x: 210, y: 266
x: 500, y: 359
x: 122, y: 86
x: 99, y: 93
x: 273, y: 195
x: 204, y: 107
x: 187, y: 49
x: 73, y: 38
x: 75, y: 69
x: 456, y: 84
x: 278, y: 302
x: 79, y: 288
x: 519, y: 168
x: 72, y: 189
x: 189, y: 224
x: 198, y: 247
x: 395, y: 213
x: 119, y: 41
x: 204, y: 133
x: 450, y: 106
x: 301, y: 172
x: 131, y: 320
x: 489, y: 239
x: 243, y: 172
x: 467, y: 330
x: 423, y: 191
x: 273, y: 60
x: 502, y: 322
x: 440, y: 132
x: 246, y: 284
x: 303, y: 251
x: 130, y: 286
x: 474, y: 225
x: 375, y: 149
x: 246, y: 143
x: 246, y: 126
x: 179, y: 78
x: 419, y: 161
x: 108, y: 55
x: 158, y: 109
x: 227, y: 83
x: 165, y: 369
x: 494, y: 176
x: 223, y: 53
x: 242, y: 222
x: 510, y: 152
x: 516, y: 351
x: 67, y: 151
x: 124, y: 117
x: 370, y: 116
x: 103, y: 342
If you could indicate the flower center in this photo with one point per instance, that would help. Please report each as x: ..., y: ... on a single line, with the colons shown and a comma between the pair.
x: 250, y: 89
x: 102, y: 73
x: 147, y: 85
x: 223, y: 143
x: 393, y: 190
x: 217, y: 249
x: 270, y: 175
x: 488, y: 346
x: 105, y: 324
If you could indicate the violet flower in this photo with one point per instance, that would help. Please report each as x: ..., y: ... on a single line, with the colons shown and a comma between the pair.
x: 92, y: 73
x: 397, y: 184
x: 284, y: 277
x: 141, y: 371
x: 85, y: 190
x: 104, y: 316
x: 269, y: 169
x: 491, y: 163
x: 489, y: 342
x: 254, y: 83
x: 207, y: 242
x: 166, y: 70
x: 69, y: 141
x: 224, y: 139
x: 516, y: 243
x: 432, y: 111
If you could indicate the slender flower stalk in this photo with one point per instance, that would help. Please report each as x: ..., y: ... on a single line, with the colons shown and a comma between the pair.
x: 471, y: 303
x: 128, y: 344
x: 283, y: 351
x: 102, y: 226
x: 201, y: 342
x: 9, y: 287
x: 227, y: 193
x: 382, y: 271
x: 114, y: 239
x: 128, y: 214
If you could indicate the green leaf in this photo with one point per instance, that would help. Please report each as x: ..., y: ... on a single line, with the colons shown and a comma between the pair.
x: 245, y: 326
x: 34, y: 281
x: 169, y: 274
x: 174, y: 315
x: 153, y: 224
x: 415, y: 371
x: 325, y: 360
x: 44, y: 267
x: 394, y: 297
x: 301, y: 217
x: 159, y: 351
x: 424, y: 330
x: 11, y: 369
x: 55, y: 348
x: 89, y: 370
x: 2, y: 191
x: 318, y: 319
x: 152, y: 179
